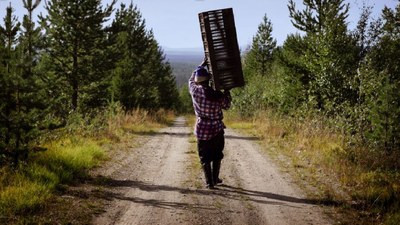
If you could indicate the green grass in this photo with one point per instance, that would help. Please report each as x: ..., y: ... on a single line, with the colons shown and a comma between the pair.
x: 27, y: 188
x: 23, y: 195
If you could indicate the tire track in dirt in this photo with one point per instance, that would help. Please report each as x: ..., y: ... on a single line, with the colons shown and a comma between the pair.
x: 153, y: 185
x: 148, y: 188
x: 270, y: 194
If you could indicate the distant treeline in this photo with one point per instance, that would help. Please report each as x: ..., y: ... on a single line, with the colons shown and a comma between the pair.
x: 70, y: 62
x: 183, y: 64
x: 182, y: 72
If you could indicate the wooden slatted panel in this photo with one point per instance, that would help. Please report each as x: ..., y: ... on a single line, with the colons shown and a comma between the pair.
x: 221, y: 48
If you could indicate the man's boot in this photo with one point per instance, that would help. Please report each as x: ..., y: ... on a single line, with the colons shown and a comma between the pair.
x: 215, y: 170
x: 208, y: 175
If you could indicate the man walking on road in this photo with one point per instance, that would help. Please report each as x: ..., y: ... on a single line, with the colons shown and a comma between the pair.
x: 209, y: 130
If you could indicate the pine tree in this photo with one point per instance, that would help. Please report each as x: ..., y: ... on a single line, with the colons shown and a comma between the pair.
x: 295, y: 76
x: 259, y: 57
x: 130, y: 38
x: 363, y: 39
x: 258, y: 63
x: 22, y: 104
x: 9, y: 85
x: 164, y: 81
x: 141, y: 78
x: 380, y: 84
x: 319, y: 16
x: 76, y: 44
x: 330, y: 55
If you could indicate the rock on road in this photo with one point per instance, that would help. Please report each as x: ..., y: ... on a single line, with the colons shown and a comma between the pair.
x: 152, y: 184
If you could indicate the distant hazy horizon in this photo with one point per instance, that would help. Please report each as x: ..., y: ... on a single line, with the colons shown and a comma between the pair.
x: 184, y: 55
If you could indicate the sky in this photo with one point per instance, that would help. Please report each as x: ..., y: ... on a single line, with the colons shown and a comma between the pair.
x: 176, y: 26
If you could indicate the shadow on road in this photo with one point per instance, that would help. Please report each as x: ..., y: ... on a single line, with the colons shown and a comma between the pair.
x: 154, y: 133
x: 108, y: 189
x: 279, y: 197
x: 187, y: 134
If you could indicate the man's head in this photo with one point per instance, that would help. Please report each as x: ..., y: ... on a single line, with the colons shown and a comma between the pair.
x: 201, y: 75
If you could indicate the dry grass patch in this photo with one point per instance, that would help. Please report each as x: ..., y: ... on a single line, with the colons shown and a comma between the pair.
x: 355, y: 178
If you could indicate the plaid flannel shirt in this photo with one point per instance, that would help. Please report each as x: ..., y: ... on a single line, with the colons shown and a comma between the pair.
x: 208, y: 105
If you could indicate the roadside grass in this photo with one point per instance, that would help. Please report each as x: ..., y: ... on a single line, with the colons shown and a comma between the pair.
x: 27, y: 188
x: 139, y: 122
x: 70, y: 153
x: 355, y: 179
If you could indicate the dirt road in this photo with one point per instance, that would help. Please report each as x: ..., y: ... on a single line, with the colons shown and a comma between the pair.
x: 155, y: 184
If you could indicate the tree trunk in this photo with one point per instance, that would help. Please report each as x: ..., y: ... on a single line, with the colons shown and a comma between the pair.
x: 75, y: 77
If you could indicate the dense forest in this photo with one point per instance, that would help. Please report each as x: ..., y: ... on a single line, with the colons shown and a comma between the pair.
x: 350, y: 77
x: 70, y: 63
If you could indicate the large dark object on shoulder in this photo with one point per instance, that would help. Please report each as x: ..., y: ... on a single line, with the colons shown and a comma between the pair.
x: 221, y: 48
